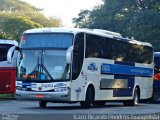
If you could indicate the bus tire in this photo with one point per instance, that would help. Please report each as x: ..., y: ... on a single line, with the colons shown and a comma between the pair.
x: 156, y: 96
x: 135, y: 100
x: 88, y: 100
x: 42, y: 104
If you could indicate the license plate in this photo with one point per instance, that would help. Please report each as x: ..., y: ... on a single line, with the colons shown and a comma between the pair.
x: 39, y: 96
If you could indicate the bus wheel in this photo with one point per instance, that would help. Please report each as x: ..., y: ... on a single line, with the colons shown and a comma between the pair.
x: 156, y: 96
x: 42, y: 104
x: 88, y: 100
x: 134, y: 101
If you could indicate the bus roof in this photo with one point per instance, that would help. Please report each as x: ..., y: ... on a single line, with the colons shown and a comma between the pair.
x: 100, y: 32
x: 12, y: 42
x: 64, y: 30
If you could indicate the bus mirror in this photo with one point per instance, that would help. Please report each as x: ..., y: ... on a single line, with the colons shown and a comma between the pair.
x: 69, y: 55
x: 10, y: 54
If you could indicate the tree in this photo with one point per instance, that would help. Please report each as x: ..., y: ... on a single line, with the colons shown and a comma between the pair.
x: 17, y: 16
x: 17, y: 5
x: 13, y: 26
x: 131, y: 18
x: 83, y: 19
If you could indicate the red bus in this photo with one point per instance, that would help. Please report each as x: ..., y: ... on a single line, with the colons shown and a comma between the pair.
x: 7, y: 69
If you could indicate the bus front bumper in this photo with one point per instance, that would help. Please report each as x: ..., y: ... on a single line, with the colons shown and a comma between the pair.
x: 46, y: 96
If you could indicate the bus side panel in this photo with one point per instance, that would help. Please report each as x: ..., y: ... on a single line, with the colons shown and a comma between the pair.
x: 77, y: 91
x: 156, y: 84
x: 118, y: 87
x: 80, y: 85
x: 7, y: 80
x: 86, y: 77
x: 146, y: 86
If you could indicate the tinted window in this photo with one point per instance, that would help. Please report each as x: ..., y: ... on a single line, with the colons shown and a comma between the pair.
x: 118, y: 50
x: 95, y: 46
x: 78, y: 55
x: 3, y: 51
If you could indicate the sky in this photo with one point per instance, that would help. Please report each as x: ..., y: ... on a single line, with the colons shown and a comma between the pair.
x: 64, y: 9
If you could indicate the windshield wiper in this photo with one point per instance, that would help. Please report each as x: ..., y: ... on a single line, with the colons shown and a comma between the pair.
x: 40, y: 69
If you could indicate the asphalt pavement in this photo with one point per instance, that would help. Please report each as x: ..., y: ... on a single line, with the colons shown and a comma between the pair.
x: 30, y: 110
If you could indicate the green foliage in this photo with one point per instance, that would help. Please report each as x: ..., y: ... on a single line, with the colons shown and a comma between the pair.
x: 83, y: 19
x: 17, y: 16
x: 12, y: 26
x: 131, y: 18
x: 16, y: 5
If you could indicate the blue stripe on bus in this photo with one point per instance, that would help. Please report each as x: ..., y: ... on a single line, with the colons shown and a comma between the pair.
x: 126, y: 92
x: 126, y: 70
x: 25, y: 84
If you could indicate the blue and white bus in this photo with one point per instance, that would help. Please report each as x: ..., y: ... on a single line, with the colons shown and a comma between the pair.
x: 81, y: 65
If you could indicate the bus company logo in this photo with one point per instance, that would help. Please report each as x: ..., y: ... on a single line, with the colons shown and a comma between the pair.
x: 92, y: 67
x: 46, y: 85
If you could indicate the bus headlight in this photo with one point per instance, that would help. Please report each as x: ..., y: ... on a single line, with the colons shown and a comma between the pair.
x: 19, y: 88
x: 60, y: 87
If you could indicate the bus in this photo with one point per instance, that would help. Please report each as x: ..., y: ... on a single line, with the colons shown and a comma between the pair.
x: 156, y: 82
x: 7, y: 69
x: 68, y: 65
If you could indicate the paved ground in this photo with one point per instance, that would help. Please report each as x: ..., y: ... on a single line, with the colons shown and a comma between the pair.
x: 28, y: 110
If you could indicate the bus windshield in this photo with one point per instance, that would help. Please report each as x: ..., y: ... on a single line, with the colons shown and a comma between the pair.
x: 44, y: 57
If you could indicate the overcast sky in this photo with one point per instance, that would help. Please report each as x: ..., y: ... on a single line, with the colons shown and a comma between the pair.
x: 64, y: 9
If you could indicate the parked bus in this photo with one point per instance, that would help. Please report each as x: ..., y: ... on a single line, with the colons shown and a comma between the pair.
x: 82, y: 65
x: 156, y: 83
x: 7, y: 69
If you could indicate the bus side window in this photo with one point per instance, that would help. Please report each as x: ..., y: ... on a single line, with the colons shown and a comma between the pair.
x: 78, y: 55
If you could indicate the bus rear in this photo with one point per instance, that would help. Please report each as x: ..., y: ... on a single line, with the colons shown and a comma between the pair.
x: 7, y: 70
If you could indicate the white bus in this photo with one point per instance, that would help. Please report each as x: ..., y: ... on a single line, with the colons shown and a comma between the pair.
x: 87, y: 66
x: 7, y: 69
